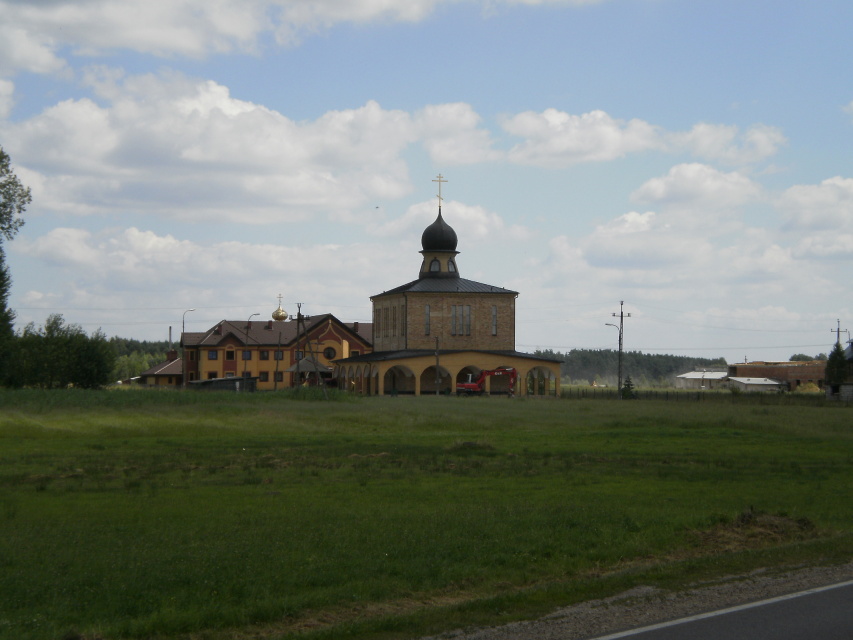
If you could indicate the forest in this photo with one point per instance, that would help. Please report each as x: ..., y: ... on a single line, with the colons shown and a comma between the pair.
x: 600, y: 366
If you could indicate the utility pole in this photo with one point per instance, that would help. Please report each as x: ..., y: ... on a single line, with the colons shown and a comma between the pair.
x: 437, y: 370
x: 622, y: 315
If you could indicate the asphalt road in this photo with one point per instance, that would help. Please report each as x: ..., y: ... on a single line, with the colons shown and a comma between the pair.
x: 825, y: 613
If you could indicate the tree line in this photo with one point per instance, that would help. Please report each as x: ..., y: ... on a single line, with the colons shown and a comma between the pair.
x: 601, y: 366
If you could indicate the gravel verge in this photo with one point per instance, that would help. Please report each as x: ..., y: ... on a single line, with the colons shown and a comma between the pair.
x: 644, y: 606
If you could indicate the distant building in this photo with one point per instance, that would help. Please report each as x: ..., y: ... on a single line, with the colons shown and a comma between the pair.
x: 165, y: 374
x: 791, y: 374
x: 749, y: 385
x: 434, y: 332
x: 702, y: 380
x: 278, y: 353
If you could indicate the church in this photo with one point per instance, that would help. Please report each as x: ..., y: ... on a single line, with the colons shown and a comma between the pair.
x: 440, y: 330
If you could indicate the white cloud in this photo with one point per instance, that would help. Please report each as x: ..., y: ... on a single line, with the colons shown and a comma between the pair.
x: 120, y: 269
x: 828, y: 205
x: 175, y: 146
x: 558, y: 139
x: 724, y: 142
x: 700, y: 186
x: 471, y: 223
x: 33, y: 33
x: 452, y: 135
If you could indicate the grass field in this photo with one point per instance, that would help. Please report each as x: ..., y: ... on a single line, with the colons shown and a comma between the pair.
x: 211, y: 516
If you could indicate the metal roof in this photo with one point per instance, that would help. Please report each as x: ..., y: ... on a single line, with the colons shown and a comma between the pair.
x: 445, y: 285
x: 270, y: 333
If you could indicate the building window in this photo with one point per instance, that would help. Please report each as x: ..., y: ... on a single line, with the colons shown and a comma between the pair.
x: 435, y: 265
x: 279, y: 376
x: 265, y: 355
x: 213, y: 354
x: 279, y: 354
x: 264, y: 376
x: 451, y: 266
x: 494, y: 320
x: 460, y: 320
x: 354, y: 352
x: 247, y: 354
x: 211, y: 375
x: 191, y: 356
x: 298, y: 355
x: 402, y: 320
x: 385, y: 320
x: 229, y: 354
x: 377, y: 321
x: 426, y: 319
x: 229, y: 374
x: 329, y: 353
x: 394, y: 321
x: 192, y: 375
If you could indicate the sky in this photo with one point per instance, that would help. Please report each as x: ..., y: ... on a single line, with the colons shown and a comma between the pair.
x: 687, y: 162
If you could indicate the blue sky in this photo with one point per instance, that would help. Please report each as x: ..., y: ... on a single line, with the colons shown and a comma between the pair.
x: 688, y: 157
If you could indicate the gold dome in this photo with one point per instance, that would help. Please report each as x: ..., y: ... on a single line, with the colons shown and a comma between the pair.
x: 279, y: 315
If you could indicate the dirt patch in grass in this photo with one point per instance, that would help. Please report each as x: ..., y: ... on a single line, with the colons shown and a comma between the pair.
x: 752, y: 530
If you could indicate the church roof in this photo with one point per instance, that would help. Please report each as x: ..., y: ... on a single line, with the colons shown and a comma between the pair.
x: 444, y: 285
x: 439, y: 236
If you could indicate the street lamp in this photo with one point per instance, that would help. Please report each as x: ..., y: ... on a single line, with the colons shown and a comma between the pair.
x: 248, y: 322
x: 619, y: 379
x: 183, y: 359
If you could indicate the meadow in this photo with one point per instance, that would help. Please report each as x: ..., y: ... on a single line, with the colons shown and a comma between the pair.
x: 144, y: 514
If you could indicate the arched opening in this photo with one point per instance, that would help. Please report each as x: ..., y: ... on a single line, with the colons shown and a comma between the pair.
x: 430, y: 382
x: 399, y: 380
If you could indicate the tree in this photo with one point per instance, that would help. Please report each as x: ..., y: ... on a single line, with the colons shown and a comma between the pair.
x: 59, y: 355
x: 7, y: 322
x: 628, y: 392
x: 14, y: 198
x: 836, y: 367
x: 800, y: 357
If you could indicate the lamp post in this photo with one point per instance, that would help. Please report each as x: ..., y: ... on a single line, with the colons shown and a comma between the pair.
x: 619, y: 379
x: 248, y: 323
x: 183, y: 359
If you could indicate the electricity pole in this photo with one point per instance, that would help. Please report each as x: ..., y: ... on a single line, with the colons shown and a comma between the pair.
x: 622, y: 315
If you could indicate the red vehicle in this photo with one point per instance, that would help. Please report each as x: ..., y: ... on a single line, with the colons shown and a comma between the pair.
x: 478, y: 385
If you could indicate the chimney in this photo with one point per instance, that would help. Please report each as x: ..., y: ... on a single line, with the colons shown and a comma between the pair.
x: 218, y: 330
x: 172, y: 355
x: 355, y: 326
x: 269, y: 325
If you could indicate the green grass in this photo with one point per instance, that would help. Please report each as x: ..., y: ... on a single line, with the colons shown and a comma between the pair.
x: 153, y: 514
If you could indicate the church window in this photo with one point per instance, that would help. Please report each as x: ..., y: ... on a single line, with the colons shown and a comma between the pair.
x: 494, y: 320
x: 329, y: 353
x: 451, y: 265
x: 426, y: 319
x: 460, y: 320
x: 394, y: 321
x: 435, y: 265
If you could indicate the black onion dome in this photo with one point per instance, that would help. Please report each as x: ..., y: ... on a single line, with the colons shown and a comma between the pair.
x: 439, y: 236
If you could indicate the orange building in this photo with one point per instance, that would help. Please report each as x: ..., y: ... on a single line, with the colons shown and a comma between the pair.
x: 277, y: 353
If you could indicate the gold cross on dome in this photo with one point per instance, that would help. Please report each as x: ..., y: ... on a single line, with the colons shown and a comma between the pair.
x: 279, y: 299
x: 439, y: 180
